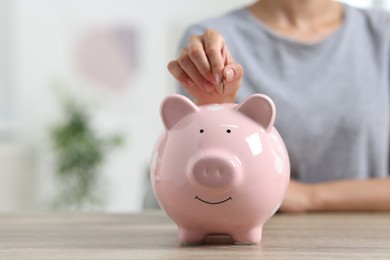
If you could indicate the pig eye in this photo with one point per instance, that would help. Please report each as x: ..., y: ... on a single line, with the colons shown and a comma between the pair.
x: 228, y: 131
x: 201, y: 131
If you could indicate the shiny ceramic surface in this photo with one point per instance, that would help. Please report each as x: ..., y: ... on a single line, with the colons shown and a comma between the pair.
x: 219, y: 169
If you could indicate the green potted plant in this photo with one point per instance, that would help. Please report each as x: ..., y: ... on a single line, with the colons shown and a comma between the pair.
x: 79, y: 154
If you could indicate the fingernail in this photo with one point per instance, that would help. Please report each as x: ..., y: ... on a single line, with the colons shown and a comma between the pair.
x: 218, y: 77
x: 229, y: 74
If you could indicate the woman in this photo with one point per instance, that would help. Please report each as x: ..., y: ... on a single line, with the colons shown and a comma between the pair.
x: 326, y: 66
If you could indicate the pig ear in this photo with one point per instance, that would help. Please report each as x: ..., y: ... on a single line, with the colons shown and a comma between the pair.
x: 259, y: 108
x: 174, y: 108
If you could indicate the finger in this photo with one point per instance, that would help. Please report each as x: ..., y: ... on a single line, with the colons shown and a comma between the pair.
x: 193, y: 73
x: 227, y: 56
x: 179, y: 74
x: 233, y: 72
x: 213, y: 45
x: 198, y: 56
x: 233, y: 76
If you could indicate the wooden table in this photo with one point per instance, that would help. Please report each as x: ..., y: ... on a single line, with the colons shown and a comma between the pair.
x: 152, y: 235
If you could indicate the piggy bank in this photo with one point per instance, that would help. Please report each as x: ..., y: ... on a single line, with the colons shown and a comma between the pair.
x: 220, y: 168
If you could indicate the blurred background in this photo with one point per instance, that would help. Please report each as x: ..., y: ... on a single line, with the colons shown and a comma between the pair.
x: 80, y: 88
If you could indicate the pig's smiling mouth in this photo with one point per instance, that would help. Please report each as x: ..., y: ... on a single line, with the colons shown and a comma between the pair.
x: 212, y: 203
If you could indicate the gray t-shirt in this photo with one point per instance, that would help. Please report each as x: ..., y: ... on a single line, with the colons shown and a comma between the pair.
x: 331, y: 97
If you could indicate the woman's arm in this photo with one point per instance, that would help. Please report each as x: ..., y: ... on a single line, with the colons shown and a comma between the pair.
x: 345, y: 195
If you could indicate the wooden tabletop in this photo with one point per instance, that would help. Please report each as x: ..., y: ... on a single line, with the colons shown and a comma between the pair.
x: 152, y: 235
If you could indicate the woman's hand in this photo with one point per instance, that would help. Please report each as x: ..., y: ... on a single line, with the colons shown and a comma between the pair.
x: 299, y: 198
x: 203, y: 64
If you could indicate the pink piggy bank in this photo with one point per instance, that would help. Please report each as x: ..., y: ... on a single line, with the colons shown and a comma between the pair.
x: 219, y: 169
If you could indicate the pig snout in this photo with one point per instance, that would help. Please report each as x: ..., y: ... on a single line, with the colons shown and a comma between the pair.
x: 216, y: 171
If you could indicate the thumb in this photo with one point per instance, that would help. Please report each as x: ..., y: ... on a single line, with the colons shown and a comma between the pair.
x: 233, y: 72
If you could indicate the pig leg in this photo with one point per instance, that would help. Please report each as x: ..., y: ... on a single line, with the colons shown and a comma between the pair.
x: 190, y: 237
x: 248, y: 237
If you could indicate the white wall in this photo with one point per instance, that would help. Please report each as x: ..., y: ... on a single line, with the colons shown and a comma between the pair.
x: 45, y: 35
x: 360, y: 3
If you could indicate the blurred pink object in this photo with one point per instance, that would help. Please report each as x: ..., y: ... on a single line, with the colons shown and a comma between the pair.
x: 219, y: 169
x: 108, y: 56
